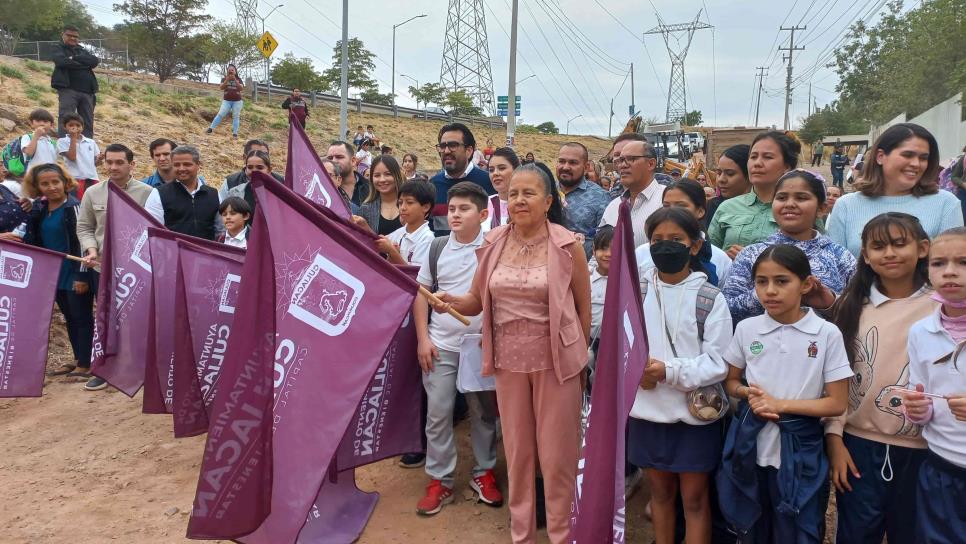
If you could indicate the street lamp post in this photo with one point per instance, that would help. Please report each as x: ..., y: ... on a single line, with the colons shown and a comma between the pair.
x: 526, y: 78
x: 394, y: 27
x: 414, y: 80
x: 571, y: 119
x: 268, y: 79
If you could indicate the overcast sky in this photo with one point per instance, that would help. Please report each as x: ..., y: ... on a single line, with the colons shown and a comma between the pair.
x: 720, y: 66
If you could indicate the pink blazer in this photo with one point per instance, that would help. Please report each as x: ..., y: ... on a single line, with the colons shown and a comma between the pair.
x: 567, y: 342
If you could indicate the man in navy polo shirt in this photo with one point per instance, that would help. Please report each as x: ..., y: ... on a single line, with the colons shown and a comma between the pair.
x: 456, y: 145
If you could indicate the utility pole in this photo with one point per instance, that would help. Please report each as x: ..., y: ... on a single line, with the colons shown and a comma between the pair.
x: 788, y: 77
x: 610, y: 123
x: 762, y: 72
x: 632, y: 109
x: 511, y: 113
x: 344, y: 100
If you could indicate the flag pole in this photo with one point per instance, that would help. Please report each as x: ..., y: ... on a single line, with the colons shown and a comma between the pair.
x: 435, y: 301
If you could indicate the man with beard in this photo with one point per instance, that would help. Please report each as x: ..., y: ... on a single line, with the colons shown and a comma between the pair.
x: 586, y: 200
x: 351, y: 184
x: 455, y: 145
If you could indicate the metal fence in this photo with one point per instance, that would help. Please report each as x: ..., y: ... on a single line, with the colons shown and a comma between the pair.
x: 113, y: 52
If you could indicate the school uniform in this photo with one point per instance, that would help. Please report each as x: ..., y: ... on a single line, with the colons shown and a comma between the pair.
x: 886, y: 447
x: 937, y: 362
x: 238, y: 240
x: 455, y: 269
x: 413, y: 246
x: 83, y: 168
x: 663, y: 433
x: 44, y: 153
x: 792, y: 361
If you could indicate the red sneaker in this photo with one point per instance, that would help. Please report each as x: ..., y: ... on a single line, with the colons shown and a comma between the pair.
x: 436, y: 496
x: 485, y: 486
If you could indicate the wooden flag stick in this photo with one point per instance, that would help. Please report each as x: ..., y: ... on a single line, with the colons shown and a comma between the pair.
x: 433, y: 300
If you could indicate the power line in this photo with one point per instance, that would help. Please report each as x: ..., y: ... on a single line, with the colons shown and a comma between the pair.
x: 524, y: 59
x: 559, y: 62
x: 621, y: 64
x: 583, y: 45
x: 640, y: 39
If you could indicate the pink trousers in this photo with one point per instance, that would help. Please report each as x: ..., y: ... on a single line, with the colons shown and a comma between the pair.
x: 541, y: 422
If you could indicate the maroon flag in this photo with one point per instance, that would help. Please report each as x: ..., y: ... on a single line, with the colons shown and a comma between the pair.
x: 306, y: 175
x: 205, y: 298
x: 28, y: 283
x: 387, y: 420
x: 159, y: 368
x: 323, y: 308
x: 598, y: 510
x: 340, y: 511
x: 122, y: 319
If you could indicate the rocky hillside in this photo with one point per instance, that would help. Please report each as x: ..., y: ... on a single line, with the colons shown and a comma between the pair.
x: 134, y: 109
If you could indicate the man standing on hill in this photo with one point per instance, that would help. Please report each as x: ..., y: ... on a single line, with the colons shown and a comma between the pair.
x: 74, y: 80
x: 455, y: 146
x: 187, y: 204
x: 296, y: 104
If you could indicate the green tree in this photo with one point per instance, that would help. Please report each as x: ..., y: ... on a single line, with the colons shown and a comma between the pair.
x: 524, y: 128
x: 692, y: 118
x: 906, y: 62
x: 374, y: 96
x: 547, y: 128
x: 197, y: 60
x: 361, y: 64
x: 831, y: 120
x: 159, y: 33
x: 459, y: 102
x: 230, y: 44
x: 21, y: 17
x: 428, y: 93
x: 298, y: 73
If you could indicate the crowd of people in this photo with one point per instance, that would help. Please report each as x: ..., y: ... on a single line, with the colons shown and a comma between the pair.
x: 835, y: 321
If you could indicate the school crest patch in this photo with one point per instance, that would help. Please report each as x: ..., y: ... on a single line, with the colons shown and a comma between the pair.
x: 756, y: 347
x: 812, y: 350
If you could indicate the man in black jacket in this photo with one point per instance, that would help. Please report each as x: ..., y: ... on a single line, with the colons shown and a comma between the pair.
x: 74, y: 80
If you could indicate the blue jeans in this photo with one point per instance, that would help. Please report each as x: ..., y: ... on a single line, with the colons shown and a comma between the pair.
x: 235, y: 109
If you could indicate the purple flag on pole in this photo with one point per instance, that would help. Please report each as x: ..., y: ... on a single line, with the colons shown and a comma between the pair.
x: 28, y: 283
x: 387, y: 420
x: 598, y: 510
x: 306, y: 175
x: 159, y: 371
x: 122, y: 319
x: 323, y: 308
x: 205, y: 298
x: 340, y: 512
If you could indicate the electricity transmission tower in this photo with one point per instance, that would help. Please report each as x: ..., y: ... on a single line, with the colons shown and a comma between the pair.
x: 247, y: 21
x: 466, y: 54
x: 677, y: 98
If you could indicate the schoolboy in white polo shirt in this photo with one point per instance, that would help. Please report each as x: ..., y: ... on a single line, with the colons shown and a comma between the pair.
x: 439, y: 356
x: 80, y: 153
x: 409, y: 244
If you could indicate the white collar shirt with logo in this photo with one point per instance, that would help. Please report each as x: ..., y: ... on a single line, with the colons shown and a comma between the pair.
x: 454, y: 274
x: 239, y: 240
x: 789, y: 362
x: 598, y: 291
x: 646, y: 203
x: 414, y: 246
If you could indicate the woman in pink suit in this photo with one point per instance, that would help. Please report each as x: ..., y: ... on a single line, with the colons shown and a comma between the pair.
x: 533, y: 289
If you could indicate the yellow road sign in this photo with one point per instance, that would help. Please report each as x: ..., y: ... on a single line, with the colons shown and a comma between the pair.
x: 267, y: 44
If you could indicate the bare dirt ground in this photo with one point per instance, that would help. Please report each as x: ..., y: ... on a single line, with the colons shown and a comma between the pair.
x: 79, y: 466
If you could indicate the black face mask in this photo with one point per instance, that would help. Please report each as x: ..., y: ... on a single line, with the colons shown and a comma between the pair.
x: 669, y: 256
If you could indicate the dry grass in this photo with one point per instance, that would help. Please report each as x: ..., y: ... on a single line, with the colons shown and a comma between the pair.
x: 132, y: 111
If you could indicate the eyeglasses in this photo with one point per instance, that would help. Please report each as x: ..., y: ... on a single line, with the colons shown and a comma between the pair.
x: 450, y: 146
x: 631, y: 158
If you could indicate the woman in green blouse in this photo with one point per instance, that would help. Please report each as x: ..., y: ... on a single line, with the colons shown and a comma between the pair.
x: 747, y: 219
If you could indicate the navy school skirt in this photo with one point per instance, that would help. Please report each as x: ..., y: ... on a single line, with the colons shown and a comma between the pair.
x: 675, y: 447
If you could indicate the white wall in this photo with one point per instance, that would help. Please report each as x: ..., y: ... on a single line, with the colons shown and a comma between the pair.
x: 943, y: 121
